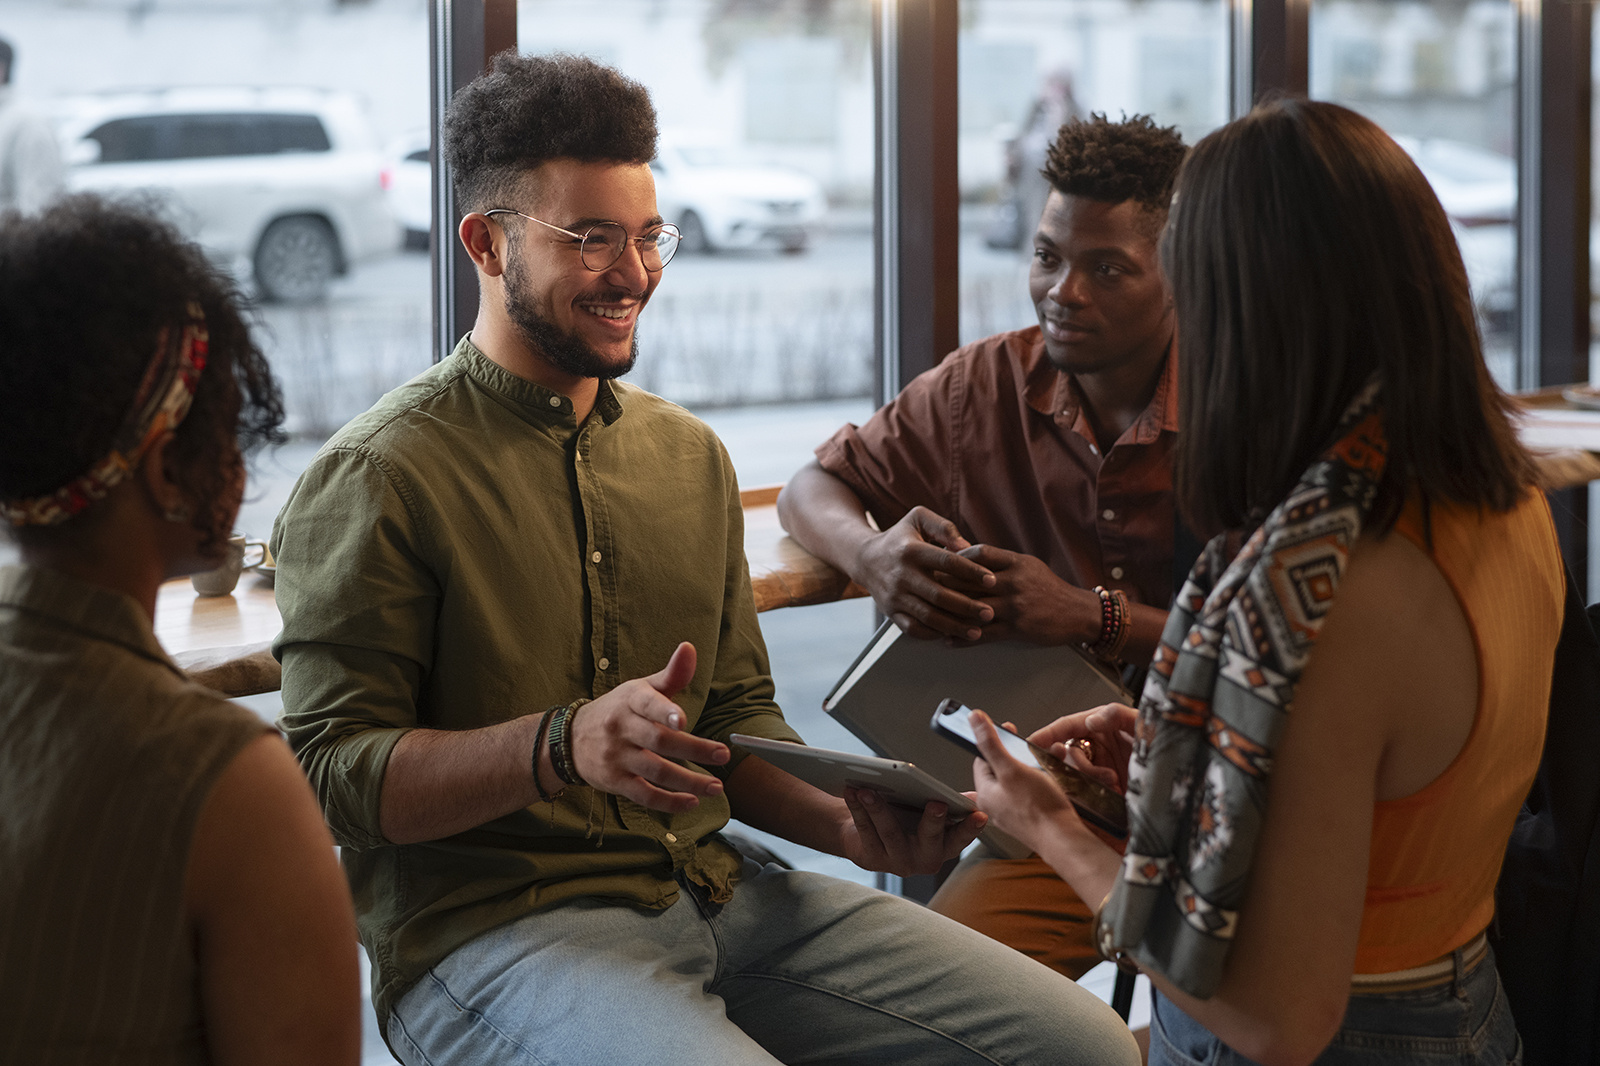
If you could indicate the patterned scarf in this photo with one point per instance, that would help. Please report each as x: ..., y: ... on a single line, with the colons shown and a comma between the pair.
x: 161, y: 402
x: 1219, y: 693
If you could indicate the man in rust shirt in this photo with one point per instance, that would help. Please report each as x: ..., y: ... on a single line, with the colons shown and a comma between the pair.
x: 1025, y: 470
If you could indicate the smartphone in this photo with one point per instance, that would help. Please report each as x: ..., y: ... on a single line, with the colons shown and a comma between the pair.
x: 1102, y: 807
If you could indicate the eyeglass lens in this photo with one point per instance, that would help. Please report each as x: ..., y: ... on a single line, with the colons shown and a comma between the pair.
x: 604, y: 243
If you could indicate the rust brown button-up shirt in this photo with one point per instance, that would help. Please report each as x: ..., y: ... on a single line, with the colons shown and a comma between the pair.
x: 995, y: 439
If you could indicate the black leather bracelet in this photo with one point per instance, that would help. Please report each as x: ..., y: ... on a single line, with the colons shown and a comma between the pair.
x: 538, y: 743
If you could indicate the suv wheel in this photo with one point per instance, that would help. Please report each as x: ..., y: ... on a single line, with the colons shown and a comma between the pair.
x: 295, y: 259
x: 694, y: 240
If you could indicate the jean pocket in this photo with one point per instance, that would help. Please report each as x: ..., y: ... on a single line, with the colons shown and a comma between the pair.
x: 1179, y: 1045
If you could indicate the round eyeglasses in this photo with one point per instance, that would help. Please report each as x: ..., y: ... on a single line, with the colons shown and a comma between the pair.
x: 603, y: 243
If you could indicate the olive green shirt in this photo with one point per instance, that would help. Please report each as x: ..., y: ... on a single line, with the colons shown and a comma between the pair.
x: 466, y: 553
x: 108, y: 754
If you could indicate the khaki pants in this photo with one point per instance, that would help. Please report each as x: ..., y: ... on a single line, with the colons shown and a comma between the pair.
x: 1024, y: 904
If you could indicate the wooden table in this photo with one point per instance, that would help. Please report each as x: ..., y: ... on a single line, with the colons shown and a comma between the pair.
x: 1564, y: 438
x: 222, y: 641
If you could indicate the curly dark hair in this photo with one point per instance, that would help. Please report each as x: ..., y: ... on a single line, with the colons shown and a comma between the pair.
x: 86, y: 289
x: 1115, y: 161
x: 532, y: 109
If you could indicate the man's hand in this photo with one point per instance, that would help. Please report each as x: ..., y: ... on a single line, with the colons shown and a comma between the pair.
x: 877, y: 836
x: 918, y: 577
x: 1030, y: 603
x: 622, y: 741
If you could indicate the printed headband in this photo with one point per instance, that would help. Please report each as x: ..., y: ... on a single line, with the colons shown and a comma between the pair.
x: 163, y: 399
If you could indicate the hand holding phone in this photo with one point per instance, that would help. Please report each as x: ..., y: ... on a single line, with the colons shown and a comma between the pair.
x: 1094, y: 802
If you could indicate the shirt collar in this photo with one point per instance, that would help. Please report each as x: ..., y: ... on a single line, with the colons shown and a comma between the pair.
x: 90, y: 610
x: 1054, y: 393
x: 540, y: 404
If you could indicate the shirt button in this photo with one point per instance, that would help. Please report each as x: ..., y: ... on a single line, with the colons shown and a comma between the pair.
x: 595, y: 557
x: 555, y: 401
x: 1093, y: 450
x: 605, y: 664
x: 1109, y: 515
x: 672, y: 838
x: 1116, y: 573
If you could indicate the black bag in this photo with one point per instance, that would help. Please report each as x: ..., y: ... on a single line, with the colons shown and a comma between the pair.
x: 1546, y: 931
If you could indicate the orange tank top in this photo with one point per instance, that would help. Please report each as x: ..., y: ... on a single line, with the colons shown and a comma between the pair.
x: 1436, y: 854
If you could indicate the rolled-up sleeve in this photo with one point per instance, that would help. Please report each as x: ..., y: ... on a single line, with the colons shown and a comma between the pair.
x: 359, y: 604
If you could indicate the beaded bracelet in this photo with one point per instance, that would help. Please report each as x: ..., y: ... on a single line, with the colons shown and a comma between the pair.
x: 538, y: 743
x: 561, y: 754
x: 1114, y: 619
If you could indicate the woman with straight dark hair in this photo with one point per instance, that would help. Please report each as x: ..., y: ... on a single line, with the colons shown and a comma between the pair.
x: 1347, y: 707
x: 168, y: 890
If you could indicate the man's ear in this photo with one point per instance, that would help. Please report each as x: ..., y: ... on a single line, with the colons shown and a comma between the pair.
x: 155, y: 474
x: 478, y: 236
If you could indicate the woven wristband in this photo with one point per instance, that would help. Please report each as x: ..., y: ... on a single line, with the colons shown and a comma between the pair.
x: 1124, y: 625
x: 561, y: 754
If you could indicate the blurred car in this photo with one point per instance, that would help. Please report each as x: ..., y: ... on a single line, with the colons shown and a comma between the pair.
x: 1476, y: 186
x: 411, y: 188
x: 1478, y: 190
x: 718, y: 200
x: 289, y: 179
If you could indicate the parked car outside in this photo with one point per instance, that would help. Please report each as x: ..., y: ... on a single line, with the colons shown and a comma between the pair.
x: 411, y: 187
x: 289, y: 180
x: 720, y: 200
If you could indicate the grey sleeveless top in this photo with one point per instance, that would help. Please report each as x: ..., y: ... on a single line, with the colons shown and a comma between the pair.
x: 107, y: 753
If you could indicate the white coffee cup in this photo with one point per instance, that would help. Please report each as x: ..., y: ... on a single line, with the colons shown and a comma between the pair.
x: 221, y: 581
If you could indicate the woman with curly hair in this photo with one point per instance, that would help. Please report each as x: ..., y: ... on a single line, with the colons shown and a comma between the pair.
x: 1347, y: 706
x: 168, y: 892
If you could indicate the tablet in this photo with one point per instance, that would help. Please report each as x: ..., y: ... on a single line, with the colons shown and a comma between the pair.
x: 899, y: 783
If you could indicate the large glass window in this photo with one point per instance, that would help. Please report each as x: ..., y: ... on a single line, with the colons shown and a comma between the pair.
x: 1440, y: 76
x: 1027, y: 66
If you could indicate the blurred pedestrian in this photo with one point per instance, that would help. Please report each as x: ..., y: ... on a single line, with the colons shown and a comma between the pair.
x: 31, y: 174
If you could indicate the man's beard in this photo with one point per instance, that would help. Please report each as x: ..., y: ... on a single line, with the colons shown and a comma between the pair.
x: 562, y: 349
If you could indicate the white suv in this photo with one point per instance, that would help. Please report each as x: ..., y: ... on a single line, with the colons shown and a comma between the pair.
x: 289, y: 179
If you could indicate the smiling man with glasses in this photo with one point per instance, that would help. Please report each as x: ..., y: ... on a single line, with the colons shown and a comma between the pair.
x: 518, y: 632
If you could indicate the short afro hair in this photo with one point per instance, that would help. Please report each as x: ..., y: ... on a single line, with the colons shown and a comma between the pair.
x: 529, y: 110
x: 1115, y: 161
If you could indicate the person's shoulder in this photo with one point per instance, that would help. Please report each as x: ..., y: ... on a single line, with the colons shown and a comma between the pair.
x: 173, y: 706
x: 407, y: 406
x: 981, y: 372
x: 1010, y: 356
x: 393, y: 440
x: 162, y: 727
x: 1016, y: 346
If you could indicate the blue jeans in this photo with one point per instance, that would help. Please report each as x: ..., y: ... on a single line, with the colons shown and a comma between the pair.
x: 1466, y: 1022
x: 797, y: 968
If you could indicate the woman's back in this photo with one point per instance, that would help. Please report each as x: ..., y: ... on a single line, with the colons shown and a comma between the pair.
x: 1435, y: 853
x: 107, y: 755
